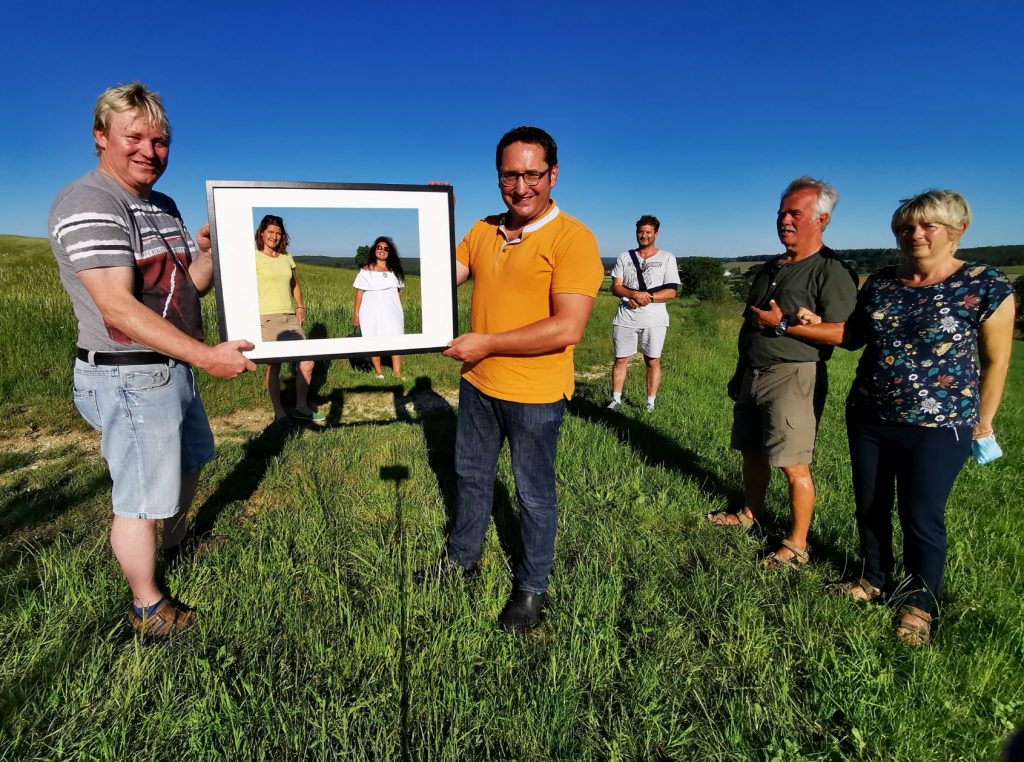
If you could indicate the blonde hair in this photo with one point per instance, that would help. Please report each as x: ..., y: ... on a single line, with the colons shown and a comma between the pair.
x: 131, y: 97
x: 945, y: 207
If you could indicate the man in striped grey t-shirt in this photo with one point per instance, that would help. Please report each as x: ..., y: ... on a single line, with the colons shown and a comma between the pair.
x: 135, y: 276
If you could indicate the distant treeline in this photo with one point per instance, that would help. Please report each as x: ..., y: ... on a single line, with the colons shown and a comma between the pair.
x: 410, y: 265
x: 866, y: 260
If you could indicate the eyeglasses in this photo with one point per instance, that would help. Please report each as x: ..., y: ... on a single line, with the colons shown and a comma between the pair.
x: 509, y: 179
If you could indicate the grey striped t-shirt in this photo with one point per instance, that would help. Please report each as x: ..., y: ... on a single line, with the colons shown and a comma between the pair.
x: 94, y: 222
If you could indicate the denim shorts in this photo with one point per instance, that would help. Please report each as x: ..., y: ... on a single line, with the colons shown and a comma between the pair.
x: 152, y: 428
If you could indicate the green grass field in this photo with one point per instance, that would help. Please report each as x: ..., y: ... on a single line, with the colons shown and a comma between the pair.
x: 666, y: 640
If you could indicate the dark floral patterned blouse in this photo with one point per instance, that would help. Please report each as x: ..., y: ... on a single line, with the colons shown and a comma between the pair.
x: 918, y: 365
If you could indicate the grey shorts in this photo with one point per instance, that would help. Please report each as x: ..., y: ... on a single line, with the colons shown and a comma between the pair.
x: 777, y: 412
x: 281, y: 326
x: 152, y: 428
x: 651, y: 340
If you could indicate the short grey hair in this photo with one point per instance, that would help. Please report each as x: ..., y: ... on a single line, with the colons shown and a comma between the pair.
x: 828, y: 196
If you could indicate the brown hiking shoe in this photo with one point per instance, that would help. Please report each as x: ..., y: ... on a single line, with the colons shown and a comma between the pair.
x: 169, y: 618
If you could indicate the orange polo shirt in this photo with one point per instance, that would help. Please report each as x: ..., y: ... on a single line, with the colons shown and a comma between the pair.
x: 513, y: 282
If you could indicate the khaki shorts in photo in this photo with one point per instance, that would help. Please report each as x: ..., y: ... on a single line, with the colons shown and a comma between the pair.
x: 652, y: 340
x: 281, y: 326
x: 775, y: 413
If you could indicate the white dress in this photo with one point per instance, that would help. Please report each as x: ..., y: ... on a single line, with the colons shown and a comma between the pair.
x: 380, y: 312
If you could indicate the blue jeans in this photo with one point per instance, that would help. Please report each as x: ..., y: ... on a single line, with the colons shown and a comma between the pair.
x: 484, y: 423
x: 152, y: 428
x: 915, y: 467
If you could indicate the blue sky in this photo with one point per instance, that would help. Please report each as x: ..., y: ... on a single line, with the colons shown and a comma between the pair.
x: 339, y: 232
x: 697, y: 113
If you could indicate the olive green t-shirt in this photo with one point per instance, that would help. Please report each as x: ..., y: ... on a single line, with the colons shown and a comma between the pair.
x: 822, y: 282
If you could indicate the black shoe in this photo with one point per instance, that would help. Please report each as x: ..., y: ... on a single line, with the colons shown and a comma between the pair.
x: 445, y: 570
x: 523, y: 611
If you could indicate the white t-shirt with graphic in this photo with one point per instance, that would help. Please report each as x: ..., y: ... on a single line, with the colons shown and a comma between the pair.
x: 659, y: 270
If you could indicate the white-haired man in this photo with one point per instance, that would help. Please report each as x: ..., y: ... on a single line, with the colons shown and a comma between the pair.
x: 135, y: 276
x: 780, y: 382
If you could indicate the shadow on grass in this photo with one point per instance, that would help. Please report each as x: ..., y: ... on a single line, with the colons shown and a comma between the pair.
x: 658, y: 449
x: 399, y: 473
x: 259, y: 451
x: 430, y: 410
x: 246, y: 476
x: 665, y: 452
x: 24, y: 508
x: 438, y: 419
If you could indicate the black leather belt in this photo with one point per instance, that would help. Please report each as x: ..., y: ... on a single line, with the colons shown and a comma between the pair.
x: 122, y: 358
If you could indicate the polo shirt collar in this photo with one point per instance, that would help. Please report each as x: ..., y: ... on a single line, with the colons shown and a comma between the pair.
x: 552, y: 212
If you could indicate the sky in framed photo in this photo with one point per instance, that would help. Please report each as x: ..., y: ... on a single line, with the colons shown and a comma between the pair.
x: 697, y: 113
x: 340, y: 232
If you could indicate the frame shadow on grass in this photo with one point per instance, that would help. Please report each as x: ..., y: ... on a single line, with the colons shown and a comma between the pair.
x: 259, y: 451
x: 436, y: 417
x: 245, y: 477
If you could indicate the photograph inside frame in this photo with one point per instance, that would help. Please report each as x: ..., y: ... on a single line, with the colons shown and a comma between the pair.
x: 331, y: 270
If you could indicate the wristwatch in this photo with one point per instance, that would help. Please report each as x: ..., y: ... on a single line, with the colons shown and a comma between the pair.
x: 782, y: 327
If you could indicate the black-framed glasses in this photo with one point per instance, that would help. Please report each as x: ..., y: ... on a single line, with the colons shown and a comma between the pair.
x: 509, y: 179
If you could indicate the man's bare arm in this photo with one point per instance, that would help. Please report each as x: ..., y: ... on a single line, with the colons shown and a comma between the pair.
x: 111, y: 290
x: 806, y: 327
x: 642, y: 298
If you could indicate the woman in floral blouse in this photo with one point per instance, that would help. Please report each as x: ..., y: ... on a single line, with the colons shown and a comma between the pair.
x: 919, y: 397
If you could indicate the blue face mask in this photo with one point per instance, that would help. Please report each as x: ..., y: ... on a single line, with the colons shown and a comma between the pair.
x: 986, y: 449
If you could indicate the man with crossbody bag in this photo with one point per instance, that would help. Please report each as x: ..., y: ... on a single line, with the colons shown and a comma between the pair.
x: 644, y: 279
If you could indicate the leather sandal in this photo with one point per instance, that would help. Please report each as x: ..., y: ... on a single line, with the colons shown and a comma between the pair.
x: 913, y: 626
x: 860, y: 590
x: 800, y: 557
x: 730, y: 519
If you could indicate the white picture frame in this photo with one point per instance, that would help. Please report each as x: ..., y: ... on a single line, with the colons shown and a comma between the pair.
x: 231, y: 206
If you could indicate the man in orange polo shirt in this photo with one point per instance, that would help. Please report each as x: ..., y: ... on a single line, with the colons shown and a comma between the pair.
x: 535, y: 274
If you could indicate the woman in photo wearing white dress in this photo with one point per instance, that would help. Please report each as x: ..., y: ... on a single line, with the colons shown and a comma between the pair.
x: 378, y: 308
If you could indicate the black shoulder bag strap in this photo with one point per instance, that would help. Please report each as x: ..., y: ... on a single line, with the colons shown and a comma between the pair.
x: 639, y: 272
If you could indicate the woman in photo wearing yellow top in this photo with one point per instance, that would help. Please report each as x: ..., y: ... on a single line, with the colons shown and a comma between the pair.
x: 282, y: 314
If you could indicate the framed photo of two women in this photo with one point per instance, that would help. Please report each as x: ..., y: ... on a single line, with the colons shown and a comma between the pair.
x: 392, y: 241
